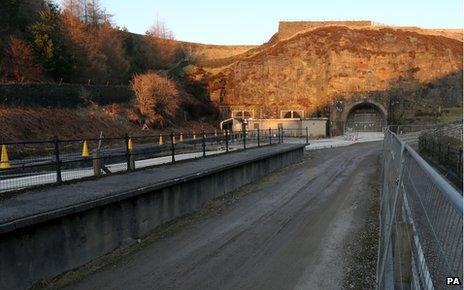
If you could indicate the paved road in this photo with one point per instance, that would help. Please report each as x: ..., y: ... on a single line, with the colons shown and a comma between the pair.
x: 288, y: 231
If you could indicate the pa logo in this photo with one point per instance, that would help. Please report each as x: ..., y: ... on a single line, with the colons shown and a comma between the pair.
x: 453, y: 281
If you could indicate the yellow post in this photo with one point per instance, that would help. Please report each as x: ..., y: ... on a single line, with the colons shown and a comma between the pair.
x: 4, y: 161
x: 85, y: 149
x: 161, y: 141
x: 181, y: 137
x: 194, y: 136
x: 174, y: 139
x: 130, y: 145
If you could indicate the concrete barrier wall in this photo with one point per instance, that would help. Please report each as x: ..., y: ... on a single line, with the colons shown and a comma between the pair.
x: 47, y: 249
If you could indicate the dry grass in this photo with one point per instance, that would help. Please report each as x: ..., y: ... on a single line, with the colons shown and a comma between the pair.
x: 43, y: 123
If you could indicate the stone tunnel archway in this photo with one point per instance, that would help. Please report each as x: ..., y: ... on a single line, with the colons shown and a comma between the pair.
x: 365, y: 117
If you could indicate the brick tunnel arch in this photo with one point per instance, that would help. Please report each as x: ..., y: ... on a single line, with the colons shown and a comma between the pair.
x: 366, y: 117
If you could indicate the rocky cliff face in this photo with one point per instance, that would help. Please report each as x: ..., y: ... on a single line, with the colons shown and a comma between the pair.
x: 315, y: 68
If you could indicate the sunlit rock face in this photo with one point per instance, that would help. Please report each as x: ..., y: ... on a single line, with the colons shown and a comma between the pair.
x: 312, y: 70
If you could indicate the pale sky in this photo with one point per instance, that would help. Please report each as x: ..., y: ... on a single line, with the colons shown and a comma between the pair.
x: 254, y: 22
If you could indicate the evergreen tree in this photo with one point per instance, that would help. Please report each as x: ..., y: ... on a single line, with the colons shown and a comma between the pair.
x: 49, y: 45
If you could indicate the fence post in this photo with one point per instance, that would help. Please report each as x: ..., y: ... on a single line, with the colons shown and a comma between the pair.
x: 203, y: 143
x: 56, y: 141
x: 307, y: 136
x: 448, y: 155
x: 460, y: 162
x: 172, y: 148
x: 433, y: 148
x: 227, y: 140
x: 259, y: 141
x: 244, y: 136
x: 439, y: 151
x: 270, y: 136
x: 97, y: 163
x: 128, y: 157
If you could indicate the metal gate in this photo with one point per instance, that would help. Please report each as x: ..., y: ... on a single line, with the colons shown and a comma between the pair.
x: 365, y: 118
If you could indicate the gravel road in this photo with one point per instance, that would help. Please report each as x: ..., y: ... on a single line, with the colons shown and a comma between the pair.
x: 287, y: 231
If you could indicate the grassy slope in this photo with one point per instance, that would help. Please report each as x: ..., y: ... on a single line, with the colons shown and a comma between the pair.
x: 44, y: 123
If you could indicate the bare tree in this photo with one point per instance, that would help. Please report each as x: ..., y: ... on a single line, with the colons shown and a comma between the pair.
x: 160, y: 30
x: 88, y: 11
x: 157, y: 97
x: 75, y: 8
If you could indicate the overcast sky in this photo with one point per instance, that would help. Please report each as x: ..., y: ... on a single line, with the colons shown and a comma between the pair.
x: 254, y: 22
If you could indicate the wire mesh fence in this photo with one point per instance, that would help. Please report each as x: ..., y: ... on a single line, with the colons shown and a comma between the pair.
x: 421, y: 243
x: 37, y: 163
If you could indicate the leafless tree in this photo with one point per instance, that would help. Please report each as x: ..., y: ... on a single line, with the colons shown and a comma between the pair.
x: 160, y: 30
x: 157, y: 97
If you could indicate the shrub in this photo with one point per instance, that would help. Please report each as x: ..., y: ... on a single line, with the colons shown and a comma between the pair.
x: 156, y: 96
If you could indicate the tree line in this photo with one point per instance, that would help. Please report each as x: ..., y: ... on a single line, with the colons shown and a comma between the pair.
x: 77, y: 42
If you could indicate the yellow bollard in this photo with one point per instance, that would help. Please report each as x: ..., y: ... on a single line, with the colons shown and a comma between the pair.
x: 181, y: 137
x: 85, y: 149
x: 194, y: 136
x: 161, y: 141
x: 130, y: 145
x: 4, y: 161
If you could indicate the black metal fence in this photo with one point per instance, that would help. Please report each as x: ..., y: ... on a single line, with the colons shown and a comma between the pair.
x: 36, y: 163
x: 443, y: 154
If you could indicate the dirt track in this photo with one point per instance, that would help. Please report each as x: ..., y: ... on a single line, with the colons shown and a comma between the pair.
x: 288, y: 231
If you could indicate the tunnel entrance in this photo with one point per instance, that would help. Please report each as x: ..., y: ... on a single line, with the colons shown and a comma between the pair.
x: 365, y: 117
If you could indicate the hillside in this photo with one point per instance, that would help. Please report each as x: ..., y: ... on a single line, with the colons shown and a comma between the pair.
x: 202, y: 51
x: 312, y: 68
x: 288, y: 29
x: 25, y: 123
x: 305, y: 65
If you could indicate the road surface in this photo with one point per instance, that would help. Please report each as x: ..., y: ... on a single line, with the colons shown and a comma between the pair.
x: 287, y: 231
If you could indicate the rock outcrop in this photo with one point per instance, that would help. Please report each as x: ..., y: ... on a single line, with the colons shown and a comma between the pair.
x: 313, y: 69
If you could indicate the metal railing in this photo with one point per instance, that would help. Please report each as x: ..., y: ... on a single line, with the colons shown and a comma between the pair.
x: 36, y: 163
x: 421, y: 242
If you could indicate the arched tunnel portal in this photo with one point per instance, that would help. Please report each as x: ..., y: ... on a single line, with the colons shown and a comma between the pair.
x: 366, y: 117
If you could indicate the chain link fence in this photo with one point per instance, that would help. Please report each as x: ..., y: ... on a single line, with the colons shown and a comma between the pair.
x: 421, y: 234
